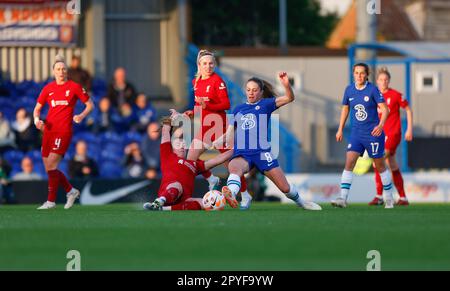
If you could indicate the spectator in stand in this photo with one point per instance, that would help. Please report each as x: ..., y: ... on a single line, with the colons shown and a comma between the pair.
x: 150, y: 148
x: 6, y: 194
x: 145, y: 112
x: 101, y: 119
x: 126, y: 119
x: 81, y: 166
x: 134, y: 163
x: 27, y: 136
x: 27, y: 173
x: 7, y: 138
x: 79, y: 75
x: 120, y: 91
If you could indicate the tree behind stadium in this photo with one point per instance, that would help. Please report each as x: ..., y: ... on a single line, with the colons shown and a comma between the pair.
x: 255, y: 23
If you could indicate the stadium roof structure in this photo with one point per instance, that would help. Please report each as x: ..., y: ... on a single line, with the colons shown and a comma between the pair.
x: 410, y: 52
x: 416, y: 51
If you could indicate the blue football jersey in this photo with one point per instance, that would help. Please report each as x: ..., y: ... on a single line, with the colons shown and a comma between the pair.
x: 363, y: 105
x: 252, y: 126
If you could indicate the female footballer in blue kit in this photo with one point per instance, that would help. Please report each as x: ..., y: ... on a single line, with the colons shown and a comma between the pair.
x: 361, y: 100
x: 250, y: 127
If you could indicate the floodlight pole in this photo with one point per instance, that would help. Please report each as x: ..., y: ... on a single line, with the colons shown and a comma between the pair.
x: 283, y: 26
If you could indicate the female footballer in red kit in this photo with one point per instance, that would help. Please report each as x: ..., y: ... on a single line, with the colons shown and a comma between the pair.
x: 211, y: 98
x: 61, y: 96
x: 393, y: 132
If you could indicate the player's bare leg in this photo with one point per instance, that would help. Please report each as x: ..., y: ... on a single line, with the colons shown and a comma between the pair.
x: 397, y: 179
x: 277, y: 176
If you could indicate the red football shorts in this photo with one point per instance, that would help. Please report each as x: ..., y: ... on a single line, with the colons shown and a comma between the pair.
x: 55, y: 142
x: 392, y: 142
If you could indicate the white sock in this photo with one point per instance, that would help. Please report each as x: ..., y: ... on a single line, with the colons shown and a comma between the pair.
x: 293, y: 195
x: 167, y: 208
x: 50, y: 203
x: 212, y: 179
x: 346, y: 183
x: 387, y: 184
x: 245, y: 197
x: 234, y: 184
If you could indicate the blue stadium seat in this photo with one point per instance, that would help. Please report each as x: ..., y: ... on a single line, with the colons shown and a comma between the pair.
x: 110, y: 170
x: 99, y: 87
x: 13, y: 156
x: 111, y: 154
x: 88, y: 137
x: 132, y: 136
x: 110, y: 137
x: 34, y: 155
x: 9, y: 112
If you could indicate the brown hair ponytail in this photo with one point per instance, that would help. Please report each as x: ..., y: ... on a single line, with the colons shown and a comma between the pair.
x: 266, y: 87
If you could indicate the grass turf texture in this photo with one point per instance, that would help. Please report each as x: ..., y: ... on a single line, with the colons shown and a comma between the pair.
x: 270, y: 236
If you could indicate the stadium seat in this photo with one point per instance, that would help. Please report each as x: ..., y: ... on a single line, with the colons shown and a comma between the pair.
x: 34, y: 155
x: 13, y: 156
x: 99, y: 87
x: 110, y: 137
x: 110, y: 170
x: 132, y: 136
x: 111, y: 154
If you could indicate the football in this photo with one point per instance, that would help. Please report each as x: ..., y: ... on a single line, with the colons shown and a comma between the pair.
x: 213, y: 200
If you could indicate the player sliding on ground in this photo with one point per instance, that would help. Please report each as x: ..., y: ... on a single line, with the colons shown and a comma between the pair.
x: 361, y: 100
x: 251, y: 149
x: 61, y: 96
x: 178, y: 173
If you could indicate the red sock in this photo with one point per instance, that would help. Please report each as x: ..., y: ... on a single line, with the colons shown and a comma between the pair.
x: 378, y: 183
x: 171, y: 195
x: 243, y: 184
x: 398, y: 182
x: 187, y: 205
x: 64, y: 182
x: 53, y: 182
x: 207, y: 174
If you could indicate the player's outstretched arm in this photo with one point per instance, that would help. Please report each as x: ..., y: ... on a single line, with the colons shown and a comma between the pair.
x: 89, y: 106
x: 344, y: 114
x: 218, y: 160
x: 289, y: 94
x: 36, y: 116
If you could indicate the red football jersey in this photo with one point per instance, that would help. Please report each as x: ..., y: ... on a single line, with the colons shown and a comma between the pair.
x: 394, y: 101
x: 214, y: 92
x: 62, y: 100
x: 175, y: 169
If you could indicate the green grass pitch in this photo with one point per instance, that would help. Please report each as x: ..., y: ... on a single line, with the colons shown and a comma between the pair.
x: 270, y: 236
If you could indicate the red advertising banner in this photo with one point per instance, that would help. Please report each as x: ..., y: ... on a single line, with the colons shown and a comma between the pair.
x: 39, y: 23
